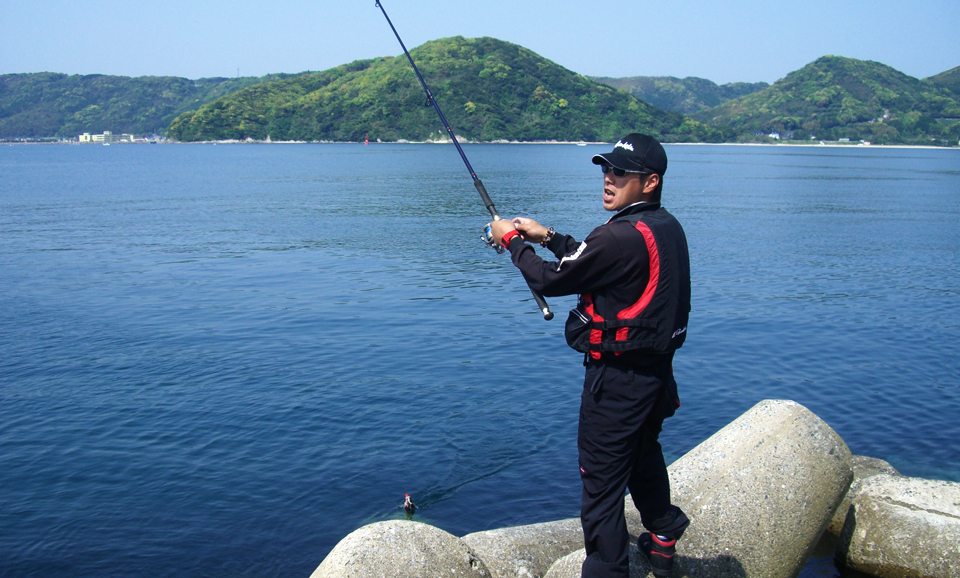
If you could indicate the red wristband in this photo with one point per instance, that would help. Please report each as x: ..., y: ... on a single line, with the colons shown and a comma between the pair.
x: 507, y: 237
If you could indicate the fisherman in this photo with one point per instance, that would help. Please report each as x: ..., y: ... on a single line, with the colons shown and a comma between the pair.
x: 632, y: 275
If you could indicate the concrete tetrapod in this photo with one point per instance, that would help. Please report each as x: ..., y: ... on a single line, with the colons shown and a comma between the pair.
x: 569, y: 565
x: 526, y: 551
x: 901, y: 527
x: 400, y: 549
x: 864, y: 467
x: 759, y: 493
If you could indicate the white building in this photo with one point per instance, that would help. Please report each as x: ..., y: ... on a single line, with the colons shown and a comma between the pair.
x: 107, y: 137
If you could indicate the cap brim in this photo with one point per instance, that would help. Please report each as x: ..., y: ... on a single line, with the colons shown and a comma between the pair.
x: 617, y: 160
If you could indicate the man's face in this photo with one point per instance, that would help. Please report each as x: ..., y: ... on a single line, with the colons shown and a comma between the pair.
x: 619, y: 192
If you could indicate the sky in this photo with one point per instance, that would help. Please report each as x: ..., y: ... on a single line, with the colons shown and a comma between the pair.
x: 749, y: 40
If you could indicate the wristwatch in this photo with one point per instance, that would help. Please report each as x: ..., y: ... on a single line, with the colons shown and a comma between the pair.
x: 546, y: 238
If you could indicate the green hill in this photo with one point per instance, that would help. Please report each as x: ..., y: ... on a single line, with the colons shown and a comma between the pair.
x: 488, y: 90
x: 48, y: 104
x: 836, y: 97
x: 685, y: 95
x: 949, y: 80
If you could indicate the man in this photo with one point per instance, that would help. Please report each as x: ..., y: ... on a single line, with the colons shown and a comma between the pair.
x: 633, y: 278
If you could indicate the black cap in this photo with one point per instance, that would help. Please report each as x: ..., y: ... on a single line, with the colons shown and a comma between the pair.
x: 636, y: 152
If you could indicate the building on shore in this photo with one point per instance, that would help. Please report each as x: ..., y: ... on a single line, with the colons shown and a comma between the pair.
x: 107, y: 137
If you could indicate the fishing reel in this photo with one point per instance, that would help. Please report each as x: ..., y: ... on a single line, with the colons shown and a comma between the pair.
x: 487, y: 237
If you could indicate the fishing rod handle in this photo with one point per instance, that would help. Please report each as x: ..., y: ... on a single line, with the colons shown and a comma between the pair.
x: 486, y: 198
x: 542, y: 305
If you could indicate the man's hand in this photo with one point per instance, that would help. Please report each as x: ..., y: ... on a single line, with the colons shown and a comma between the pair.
x: 500, y: 228
x: 529, y: 229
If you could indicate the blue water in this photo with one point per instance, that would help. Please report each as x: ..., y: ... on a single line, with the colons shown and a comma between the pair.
x: 220, y: 360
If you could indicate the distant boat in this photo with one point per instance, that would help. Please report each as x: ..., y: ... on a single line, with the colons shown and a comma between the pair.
x: 581, y: 144
x: 106, y: 144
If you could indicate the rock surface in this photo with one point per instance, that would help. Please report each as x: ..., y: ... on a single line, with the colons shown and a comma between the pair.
x: 400, y: 549
x: 526, y: 551
x: 902, y: 527
x: 569, y: 565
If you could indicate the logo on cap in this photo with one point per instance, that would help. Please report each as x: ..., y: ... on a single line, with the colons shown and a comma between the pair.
x: 624, y: 145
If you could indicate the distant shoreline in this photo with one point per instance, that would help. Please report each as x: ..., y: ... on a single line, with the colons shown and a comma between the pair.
x: 549, y: 142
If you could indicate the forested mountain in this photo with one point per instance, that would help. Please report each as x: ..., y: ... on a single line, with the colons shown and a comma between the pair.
x: 949, y: 80
x: 686, y: 95
x: 488, y: 89
x: 836, y: 97
x: 48, y: 104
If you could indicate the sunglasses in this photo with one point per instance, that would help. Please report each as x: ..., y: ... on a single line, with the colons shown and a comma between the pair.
x: 620, y: 172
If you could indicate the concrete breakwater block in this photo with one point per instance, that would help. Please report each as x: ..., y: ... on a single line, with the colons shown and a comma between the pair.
x: 569, y: 566
x: 526, y: 551
x: 759, y: 493
x: 863, y: 468
x: 902, y: 527
x: 400, y: 549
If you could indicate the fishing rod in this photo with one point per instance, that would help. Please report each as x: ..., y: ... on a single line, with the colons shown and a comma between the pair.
x: 487, y: 237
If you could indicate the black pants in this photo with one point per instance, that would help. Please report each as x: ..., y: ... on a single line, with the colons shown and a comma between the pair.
x: 621, y: 413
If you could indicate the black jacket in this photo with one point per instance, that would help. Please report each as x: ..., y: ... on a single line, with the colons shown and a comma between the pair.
x: 610, y: 270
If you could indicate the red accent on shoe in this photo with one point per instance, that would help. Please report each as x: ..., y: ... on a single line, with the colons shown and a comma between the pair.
x: 666, y: 544
x: 654, y: 552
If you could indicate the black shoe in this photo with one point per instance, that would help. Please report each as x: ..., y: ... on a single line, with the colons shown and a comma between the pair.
x: 658, y: 552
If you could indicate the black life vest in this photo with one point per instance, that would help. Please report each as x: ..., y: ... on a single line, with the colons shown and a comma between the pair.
x: 656, y: 323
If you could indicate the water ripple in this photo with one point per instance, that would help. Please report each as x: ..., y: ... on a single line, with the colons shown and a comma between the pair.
x: 220, y: 360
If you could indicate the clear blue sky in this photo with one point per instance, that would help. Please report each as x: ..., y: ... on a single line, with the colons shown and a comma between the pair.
x: 747, y: 40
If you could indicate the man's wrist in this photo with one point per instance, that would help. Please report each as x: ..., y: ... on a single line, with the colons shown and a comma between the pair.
x: 507, y: 237
x: 547, y: 237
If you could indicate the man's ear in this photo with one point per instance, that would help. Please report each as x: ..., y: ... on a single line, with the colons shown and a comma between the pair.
x: 651, y: 184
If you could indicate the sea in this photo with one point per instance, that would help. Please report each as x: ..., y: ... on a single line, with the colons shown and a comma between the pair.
x: 218, y: 360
